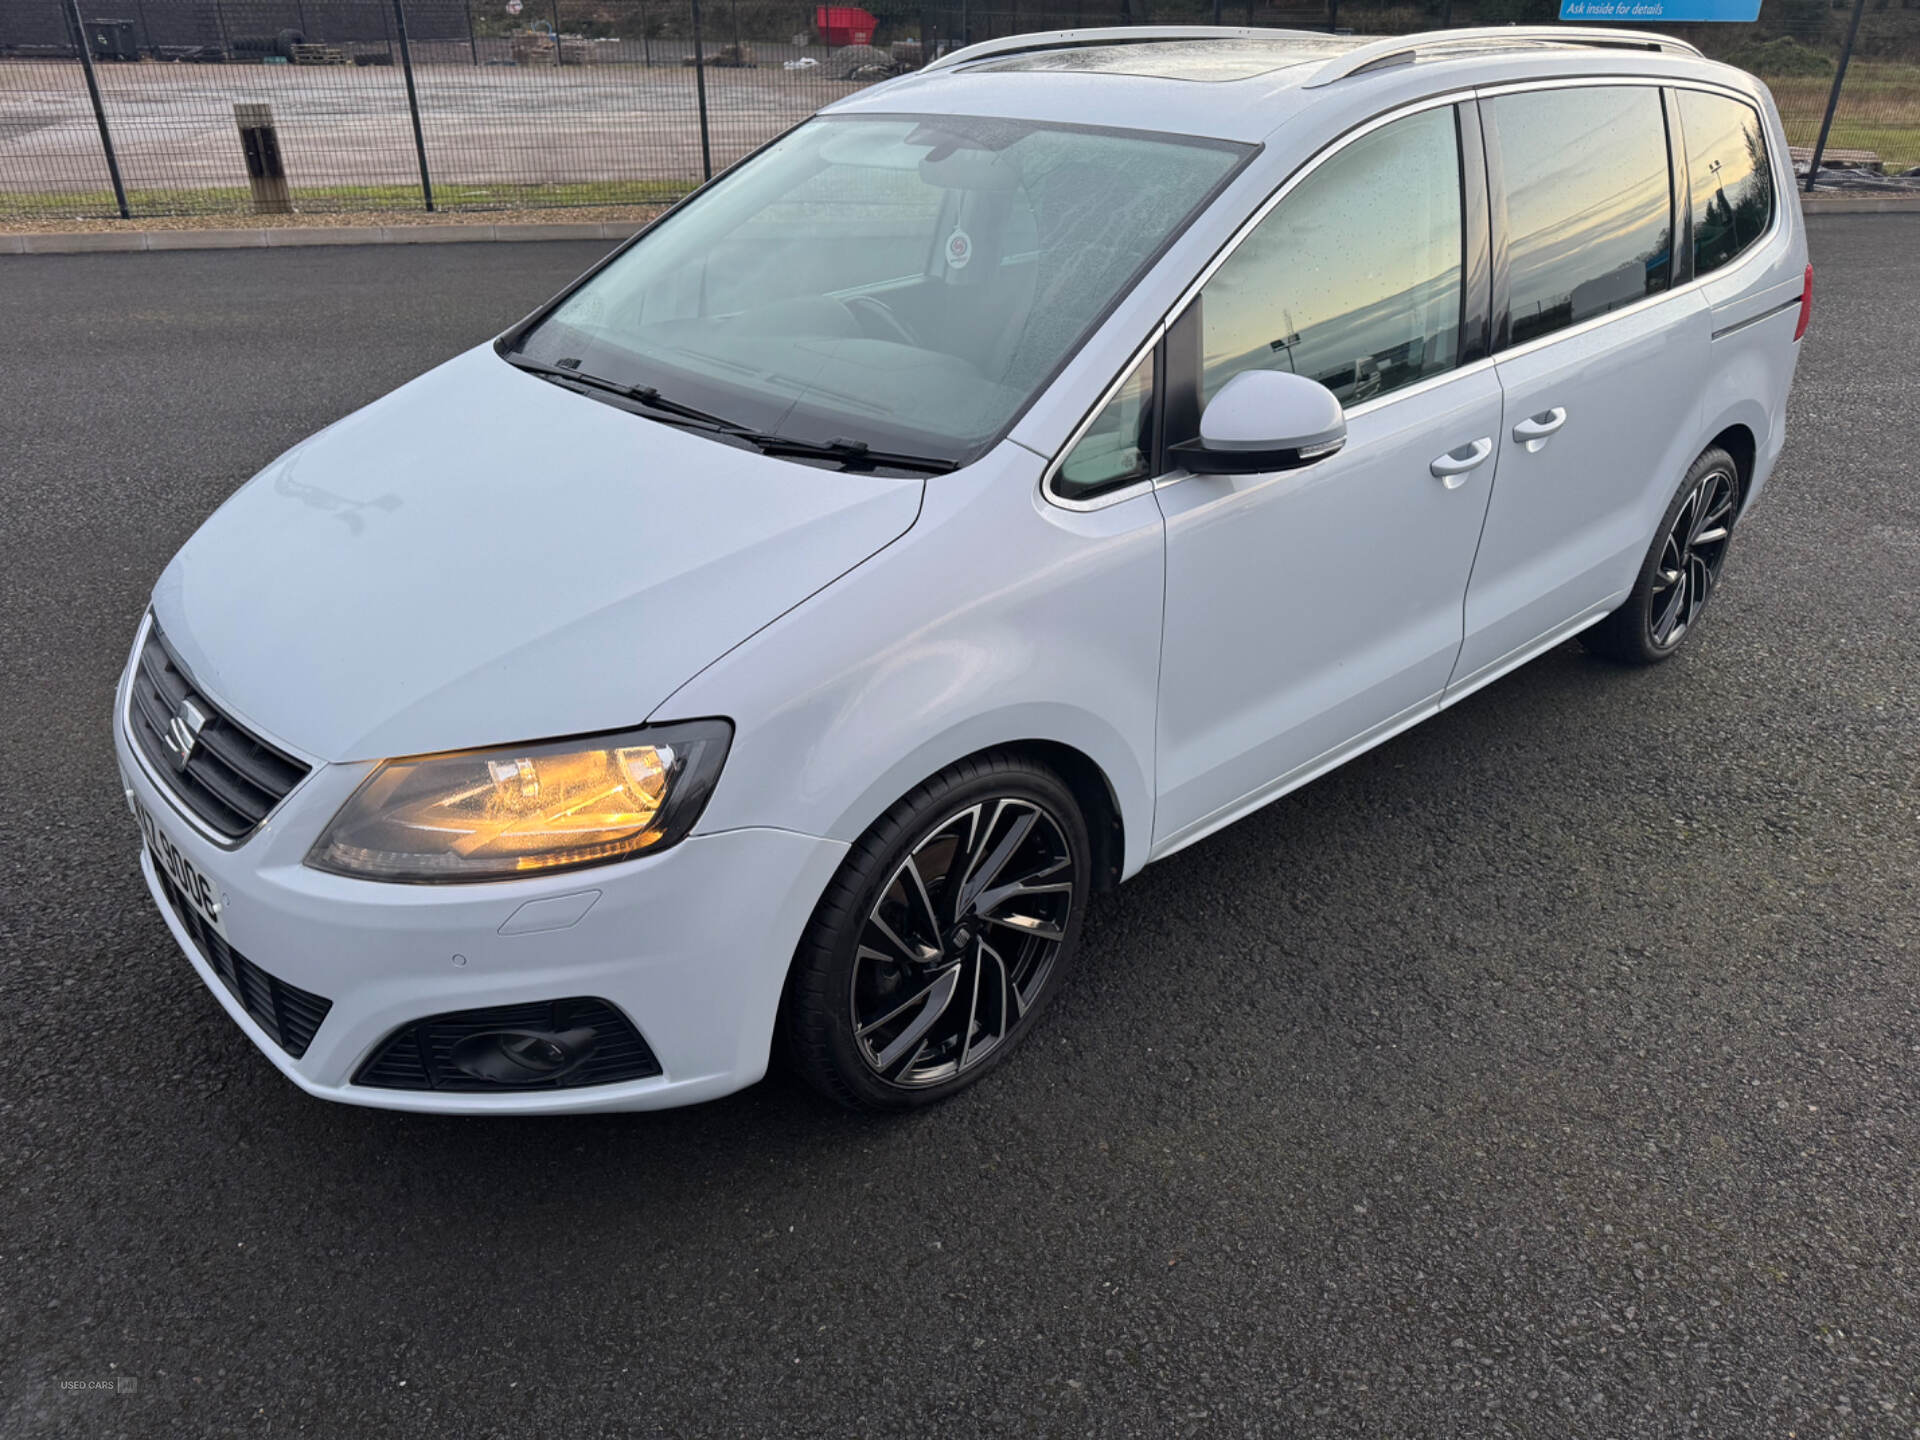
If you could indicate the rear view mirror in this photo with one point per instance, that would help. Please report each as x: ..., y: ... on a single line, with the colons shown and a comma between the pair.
x: 949, y: 168
x: 1264, y: 420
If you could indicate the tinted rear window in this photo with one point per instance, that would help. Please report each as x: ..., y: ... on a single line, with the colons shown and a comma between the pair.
x: 1728, y: 174
x: 1589, y: 202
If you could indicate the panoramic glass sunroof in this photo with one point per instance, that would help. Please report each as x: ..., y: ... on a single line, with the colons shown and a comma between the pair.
x: 1207, y: 61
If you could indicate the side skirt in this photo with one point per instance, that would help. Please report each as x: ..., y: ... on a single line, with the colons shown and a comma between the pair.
x: 1294, y: 779
x: 1379, y: 734
x: 1459, y: 689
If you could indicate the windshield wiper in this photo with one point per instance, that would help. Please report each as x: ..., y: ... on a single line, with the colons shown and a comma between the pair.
x: 570, y: 373
x: 852, y: 454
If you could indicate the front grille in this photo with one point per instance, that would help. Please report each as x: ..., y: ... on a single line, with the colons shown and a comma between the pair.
x: 286, y: 1012
x: 415, y: 1057
x: 231, y: 780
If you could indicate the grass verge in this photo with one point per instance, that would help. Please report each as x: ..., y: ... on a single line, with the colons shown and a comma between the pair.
x: 1879, y: 110
x: 57, y: 205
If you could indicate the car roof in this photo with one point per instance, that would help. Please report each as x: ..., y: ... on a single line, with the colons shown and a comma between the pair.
x: 1242, y: 84
x: 1198, y: 59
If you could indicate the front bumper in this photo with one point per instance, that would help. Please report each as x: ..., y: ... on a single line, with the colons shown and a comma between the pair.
x: 692, y: 944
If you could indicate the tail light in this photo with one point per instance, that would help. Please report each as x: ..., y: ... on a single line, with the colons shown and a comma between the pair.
x: 1806, y: 304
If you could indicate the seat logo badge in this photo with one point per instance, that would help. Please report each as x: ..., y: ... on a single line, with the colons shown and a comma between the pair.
x: 183, y: 733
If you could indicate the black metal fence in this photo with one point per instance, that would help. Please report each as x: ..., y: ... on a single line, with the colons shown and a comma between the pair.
x: 164, y: 107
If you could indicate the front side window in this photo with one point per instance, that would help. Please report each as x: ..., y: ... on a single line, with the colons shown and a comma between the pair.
x: 1728, y: 173
x: 1118, y: 447
x: 1354, y: 279
x: 905, y: 283
x: 1589, y: 202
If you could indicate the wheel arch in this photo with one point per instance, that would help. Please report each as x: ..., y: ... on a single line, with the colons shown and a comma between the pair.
x: 1086, y: 753
x: 1099, y: 807
x: 1735, y: 417
x: 1738, y: 440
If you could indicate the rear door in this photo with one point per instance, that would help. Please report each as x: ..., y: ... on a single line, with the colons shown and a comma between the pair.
x: 1601, y: 364
x: 1312, y: 611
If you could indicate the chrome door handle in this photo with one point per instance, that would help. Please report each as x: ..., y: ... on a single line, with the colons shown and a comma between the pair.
x: 1451, y: 468
x: 1533, y: 432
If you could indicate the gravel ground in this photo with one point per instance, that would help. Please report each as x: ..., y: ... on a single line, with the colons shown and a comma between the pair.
x: 633, y: 214
x: 1553, y: 1070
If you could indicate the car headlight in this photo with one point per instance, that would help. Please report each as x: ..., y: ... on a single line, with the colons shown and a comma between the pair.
x: 526, y: 809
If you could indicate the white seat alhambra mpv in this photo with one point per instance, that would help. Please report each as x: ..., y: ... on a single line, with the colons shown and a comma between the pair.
x: 1003, y: 479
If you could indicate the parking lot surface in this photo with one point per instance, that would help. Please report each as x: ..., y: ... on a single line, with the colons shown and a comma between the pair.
x: 600, y: 124
x: 1552, y: 1070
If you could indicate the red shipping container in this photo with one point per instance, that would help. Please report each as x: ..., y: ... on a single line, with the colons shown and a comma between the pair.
x: 843, y: 25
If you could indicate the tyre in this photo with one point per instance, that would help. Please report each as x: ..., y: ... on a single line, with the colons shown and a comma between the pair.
x: 1682, y: 569
x: 941, y: 938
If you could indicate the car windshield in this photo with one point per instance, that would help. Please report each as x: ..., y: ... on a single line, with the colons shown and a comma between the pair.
x: 902, y: 283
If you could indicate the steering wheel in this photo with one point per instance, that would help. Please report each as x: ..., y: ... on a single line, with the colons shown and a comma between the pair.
x: 872, y: 314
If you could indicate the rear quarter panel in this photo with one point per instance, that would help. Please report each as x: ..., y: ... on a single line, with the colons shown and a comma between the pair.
x: 1753, y: 318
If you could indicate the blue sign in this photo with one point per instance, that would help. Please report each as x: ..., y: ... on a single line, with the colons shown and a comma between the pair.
x: 1657, y: 12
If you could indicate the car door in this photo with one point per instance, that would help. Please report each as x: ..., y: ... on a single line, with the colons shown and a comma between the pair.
x: 1313, y: 611
x: 1602, y: 368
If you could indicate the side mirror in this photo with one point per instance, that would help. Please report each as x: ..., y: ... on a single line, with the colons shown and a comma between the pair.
x: 1264, y: 420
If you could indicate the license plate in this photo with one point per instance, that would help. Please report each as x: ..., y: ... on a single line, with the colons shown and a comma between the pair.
x: 196, y: 889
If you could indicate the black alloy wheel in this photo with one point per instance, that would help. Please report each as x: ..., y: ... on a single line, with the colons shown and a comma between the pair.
x: 945, y: 932
x: 1681, y: 571
x: 961, y: 941
x: 1690, y: 557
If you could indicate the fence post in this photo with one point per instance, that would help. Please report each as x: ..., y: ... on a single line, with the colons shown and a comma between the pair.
x: 99, y: 110
x: 646, y: 38
x: 413, y: 104
x: 700, y: 86
x: 266, y: 169
x: 473, y: 45
x: 1833, y: 96
x: 559, y: 53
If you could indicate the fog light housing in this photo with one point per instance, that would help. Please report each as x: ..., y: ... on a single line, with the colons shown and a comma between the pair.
x: 522, y: 1057
x: 558, y: 1044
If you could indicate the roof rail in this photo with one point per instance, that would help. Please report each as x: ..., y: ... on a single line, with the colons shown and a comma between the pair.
x: 1404, y: 49
x: 1108, y: 35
